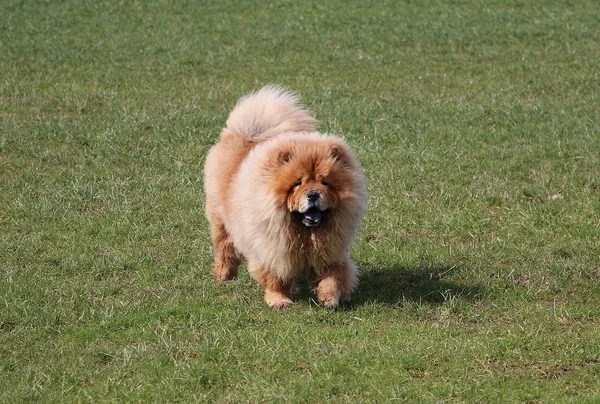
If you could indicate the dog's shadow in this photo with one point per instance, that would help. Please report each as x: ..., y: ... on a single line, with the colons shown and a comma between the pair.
x: 399, y: 285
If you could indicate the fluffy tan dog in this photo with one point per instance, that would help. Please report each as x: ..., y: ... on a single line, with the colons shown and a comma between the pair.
x: 284, y: 196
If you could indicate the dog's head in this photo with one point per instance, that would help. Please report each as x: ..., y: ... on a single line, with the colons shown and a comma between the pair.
x: 314, y: 177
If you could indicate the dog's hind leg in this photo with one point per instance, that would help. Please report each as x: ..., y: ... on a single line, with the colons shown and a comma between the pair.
x: 227, y: 260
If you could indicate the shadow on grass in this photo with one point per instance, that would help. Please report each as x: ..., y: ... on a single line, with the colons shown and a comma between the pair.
x: 399, y: 285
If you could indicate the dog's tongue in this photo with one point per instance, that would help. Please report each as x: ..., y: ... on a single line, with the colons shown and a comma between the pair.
x: 312, y: 217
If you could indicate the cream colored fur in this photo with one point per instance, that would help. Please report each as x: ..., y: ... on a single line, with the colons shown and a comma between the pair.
x: 265, y: 233
x: 246, y: 216
x: 268, y: 113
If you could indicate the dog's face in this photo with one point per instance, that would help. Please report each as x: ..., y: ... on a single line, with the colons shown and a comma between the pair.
x: 312, y: 180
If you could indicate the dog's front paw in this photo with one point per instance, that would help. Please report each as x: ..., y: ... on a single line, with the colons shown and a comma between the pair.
x: 277, y: 300
x: 331, y: 303
x: 329, y: 293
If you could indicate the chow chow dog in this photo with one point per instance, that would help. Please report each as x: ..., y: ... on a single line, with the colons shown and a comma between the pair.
x: 284, y: 196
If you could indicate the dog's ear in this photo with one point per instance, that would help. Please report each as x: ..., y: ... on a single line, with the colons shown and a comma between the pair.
x: 284, y: 156
x: 339, y: 154
x: 279, y: 158
x: 335, y: 152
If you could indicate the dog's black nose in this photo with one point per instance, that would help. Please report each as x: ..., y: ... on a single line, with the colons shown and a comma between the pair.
x: 313, y: 196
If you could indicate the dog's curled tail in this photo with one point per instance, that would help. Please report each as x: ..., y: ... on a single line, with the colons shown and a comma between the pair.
x: 267, y: 113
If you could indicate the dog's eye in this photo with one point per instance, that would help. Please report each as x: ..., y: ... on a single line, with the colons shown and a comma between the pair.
x: 297, y: 184
x: 325, y: 183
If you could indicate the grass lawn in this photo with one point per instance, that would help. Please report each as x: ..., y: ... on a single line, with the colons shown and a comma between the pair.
x: 478, y: 126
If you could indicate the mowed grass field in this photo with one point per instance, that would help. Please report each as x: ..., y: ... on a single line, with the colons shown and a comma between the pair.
x: 477, y: 123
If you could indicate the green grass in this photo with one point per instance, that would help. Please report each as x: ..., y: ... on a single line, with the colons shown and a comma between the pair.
x: 477, y: 123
